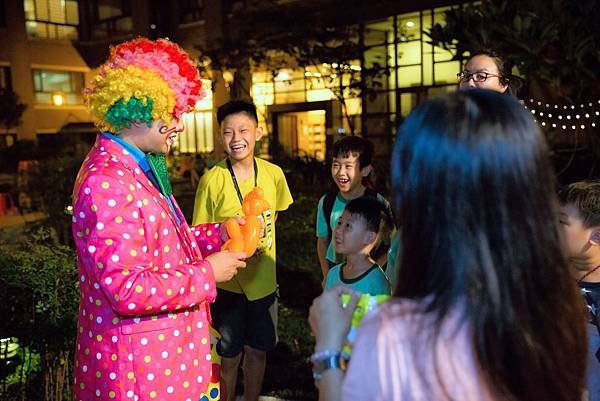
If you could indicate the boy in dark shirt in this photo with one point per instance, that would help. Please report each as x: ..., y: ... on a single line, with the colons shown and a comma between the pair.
x: 580, y: 218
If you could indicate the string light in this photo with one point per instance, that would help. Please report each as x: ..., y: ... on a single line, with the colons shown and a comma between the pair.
x: 581, y: 117
x: 556, y: 106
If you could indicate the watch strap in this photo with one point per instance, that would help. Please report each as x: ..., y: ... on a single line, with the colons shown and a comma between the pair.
x: 328, y: 360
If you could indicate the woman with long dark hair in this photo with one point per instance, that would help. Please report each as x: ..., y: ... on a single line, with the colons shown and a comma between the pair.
x: 484, y: 308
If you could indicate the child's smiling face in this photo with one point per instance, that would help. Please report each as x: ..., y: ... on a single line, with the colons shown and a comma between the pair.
x: 351, y: 234
x: 239, y: 133
x: 347, y: 172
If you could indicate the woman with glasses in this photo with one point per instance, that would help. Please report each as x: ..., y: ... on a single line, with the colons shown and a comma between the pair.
x: 486, y: 69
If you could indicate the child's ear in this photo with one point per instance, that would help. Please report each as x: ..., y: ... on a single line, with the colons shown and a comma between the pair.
x: 259, y: 133
x: 366, y: 170
x: 370, y: 237
x: 595, y: 237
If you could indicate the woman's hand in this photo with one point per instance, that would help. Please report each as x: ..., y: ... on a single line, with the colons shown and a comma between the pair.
x: 330, y: 318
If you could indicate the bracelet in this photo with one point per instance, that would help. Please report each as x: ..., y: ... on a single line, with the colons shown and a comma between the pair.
x: 323, y: 354
x: 327, y: 359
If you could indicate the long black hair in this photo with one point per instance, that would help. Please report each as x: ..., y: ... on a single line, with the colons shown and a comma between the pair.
x: 474, y: 190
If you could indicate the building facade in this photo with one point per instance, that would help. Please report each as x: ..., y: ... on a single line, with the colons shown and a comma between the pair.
x: 40, y: 64
x: 52, y: 47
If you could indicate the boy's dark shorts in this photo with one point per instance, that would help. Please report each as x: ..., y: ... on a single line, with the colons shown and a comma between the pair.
x: 242, y: 322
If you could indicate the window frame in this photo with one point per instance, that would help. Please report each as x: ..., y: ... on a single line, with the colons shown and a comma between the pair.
x: 36, y: 75
x: 52, y: 27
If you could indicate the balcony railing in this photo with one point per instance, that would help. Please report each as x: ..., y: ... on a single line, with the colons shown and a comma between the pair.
x: 51, y: 30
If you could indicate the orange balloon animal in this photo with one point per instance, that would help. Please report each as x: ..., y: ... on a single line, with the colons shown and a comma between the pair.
x: 245, y: 238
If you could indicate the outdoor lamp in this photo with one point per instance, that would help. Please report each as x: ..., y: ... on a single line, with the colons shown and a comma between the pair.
x: 228, y: 77
x: 58, y: 98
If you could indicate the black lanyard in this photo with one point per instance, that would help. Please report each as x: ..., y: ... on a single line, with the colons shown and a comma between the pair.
x: 235, y: 183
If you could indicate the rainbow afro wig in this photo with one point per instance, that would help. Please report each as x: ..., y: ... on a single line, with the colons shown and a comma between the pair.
x: 143, y: 81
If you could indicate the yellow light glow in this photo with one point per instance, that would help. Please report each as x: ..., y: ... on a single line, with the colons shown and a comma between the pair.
x: 283, y: 76
x: 262, y: 93
x: 410, y: 24
x: 58, y: 99
x: 206, y: 102
x: 316, y: 95
x: 228, y: 76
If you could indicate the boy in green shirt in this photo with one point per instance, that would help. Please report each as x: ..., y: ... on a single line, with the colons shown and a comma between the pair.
x: 361, y: 226
x: 350, y: 167
x: 244, y: 310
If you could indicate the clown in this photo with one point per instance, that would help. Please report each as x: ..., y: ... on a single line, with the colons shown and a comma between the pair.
x: 146, y: 277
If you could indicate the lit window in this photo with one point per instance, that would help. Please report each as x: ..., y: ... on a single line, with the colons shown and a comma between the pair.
x: 58, y: 87
x: 198, y: 134
x: 262, y: 93
x: 107, y: 9
x: 52, y: 19
x: 111, y: 19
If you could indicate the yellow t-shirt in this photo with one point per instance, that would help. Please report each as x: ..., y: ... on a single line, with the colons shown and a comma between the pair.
x: 217, y: 200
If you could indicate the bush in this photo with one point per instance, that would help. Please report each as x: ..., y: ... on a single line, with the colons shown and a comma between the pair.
x: 40, y: 305
x: 52, y: 184
x: 289, y: 372
x: 306, y: 175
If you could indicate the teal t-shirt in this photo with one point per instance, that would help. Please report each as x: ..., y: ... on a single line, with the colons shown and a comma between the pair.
x: 338, y: 208
x: 373, y: 281
x: 393, y: 260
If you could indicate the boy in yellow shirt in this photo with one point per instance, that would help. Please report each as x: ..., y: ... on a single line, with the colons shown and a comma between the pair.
x: 244, y: 310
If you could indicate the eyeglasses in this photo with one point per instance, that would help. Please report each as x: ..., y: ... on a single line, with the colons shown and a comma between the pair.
x: 479, y: 76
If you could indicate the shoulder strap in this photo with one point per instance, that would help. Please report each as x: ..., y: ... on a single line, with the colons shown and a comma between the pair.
x: 374, y: 194
x: 328, y: 208
x: 370, y: 192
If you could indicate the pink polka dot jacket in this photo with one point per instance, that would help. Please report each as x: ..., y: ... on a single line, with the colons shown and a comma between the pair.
x: 143, y: 317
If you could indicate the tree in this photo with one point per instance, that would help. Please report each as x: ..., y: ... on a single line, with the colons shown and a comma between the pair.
x: 11, y: 109
x: 552, y: 43
x: 269, y: 36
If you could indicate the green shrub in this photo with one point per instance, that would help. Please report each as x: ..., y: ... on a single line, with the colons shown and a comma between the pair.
x: 52, y: 184
x: 299, y: 276
x: 40, y: 304
x: 296, y: 239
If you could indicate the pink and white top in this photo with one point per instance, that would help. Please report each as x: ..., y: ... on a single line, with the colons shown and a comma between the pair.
x: 143, y: 317
x: 394, y: 358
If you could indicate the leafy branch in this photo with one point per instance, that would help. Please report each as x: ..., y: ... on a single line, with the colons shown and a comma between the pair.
x: 552, y: 43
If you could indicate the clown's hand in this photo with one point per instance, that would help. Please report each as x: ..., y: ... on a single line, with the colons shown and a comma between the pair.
x: 226, y: 264
x: 224, y: 234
